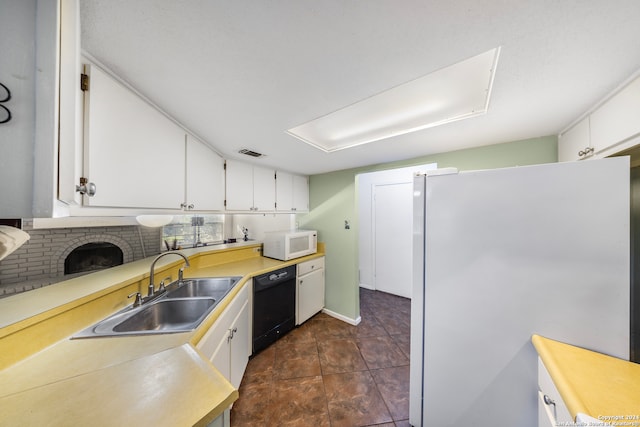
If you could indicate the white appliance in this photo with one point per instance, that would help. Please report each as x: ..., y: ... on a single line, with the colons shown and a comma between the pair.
x: 502, y: 254
x: 286, y: 245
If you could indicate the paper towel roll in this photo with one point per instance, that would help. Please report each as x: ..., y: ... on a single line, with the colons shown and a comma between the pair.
x: 11, y: 238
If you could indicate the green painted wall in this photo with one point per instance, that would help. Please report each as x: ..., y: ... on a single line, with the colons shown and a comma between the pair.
x: 333, y: 199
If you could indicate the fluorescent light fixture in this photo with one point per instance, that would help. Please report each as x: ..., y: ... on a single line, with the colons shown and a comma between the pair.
x: 154, y: 220
x: 457, y: 92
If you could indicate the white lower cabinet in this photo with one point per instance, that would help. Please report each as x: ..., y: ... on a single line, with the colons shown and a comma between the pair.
x: 552, y: 411
x: 223, y: 420
x: 227, y: 343
x: 310, y: 292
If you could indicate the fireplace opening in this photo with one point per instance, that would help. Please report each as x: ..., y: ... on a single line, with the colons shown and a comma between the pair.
x: 93, y: 256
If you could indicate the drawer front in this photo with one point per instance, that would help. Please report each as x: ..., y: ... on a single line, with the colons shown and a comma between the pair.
x: 556, y: 411
x: 309, y: 266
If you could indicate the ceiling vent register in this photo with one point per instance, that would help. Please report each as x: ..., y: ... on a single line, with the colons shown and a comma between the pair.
x: 250, y: 153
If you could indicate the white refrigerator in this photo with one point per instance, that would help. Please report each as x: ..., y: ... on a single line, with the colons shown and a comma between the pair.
x: 498, y: 256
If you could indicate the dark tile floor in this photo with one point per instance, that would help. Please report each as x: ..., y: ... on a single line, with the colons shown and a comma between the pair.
x: 329, y: 373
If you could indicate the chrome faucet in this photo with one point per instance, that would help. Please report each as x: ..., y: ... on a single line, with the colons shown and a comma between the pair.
x: 152, y: 286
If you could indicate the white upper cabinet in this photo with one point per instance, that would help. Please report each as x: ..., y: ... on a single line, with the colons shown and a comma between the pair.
x: 618, y: 119
x: 239, y: 186
x: 133, y: 153
x: 205, y: 177
x: 249, y: 187
x: 575, y: 144
x: 292, y: 192
x: 264, y: 189
x: 284, y: 191
x: 300, y: 193
x: 610, y: 128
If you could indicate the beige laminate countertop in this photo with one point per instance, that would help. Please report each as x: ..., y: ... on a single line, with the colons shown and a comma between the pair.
x: 159, y: 380
x: 591, y: 383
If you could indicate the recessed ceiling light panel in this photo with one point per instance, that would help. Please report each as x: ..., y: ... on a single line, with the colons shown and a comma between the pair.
x: 453, y: 93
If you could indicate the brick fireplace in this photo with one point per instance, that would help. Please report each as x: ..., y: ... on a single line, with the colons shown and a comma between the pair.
x: 41, y: 260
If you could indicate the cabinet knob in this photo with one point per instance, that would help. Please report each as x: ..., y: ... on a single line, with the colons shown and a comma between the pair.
x: 86, y: 187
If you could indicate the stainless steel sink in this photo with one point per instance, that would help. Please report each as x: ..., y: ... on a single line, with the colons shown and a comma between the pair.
x: 182, y: 308
x: 168, y: 315
x: 216, y: 287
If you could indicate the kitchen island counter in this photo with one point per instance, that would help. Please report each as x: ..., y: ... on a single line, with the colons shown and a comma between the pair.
x: 604, y: 387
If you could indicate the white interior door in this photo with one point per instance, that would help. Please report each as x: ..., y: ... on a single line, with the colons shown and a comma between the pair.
x: 392, y: 229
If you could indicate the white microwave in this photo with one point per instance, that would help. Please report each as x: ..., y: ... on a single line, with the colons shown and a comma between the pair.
x: 286, y: 245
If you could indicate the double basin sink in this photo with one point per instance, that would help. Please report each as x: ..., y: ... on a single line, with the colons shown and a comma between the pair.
x: 184, y: 305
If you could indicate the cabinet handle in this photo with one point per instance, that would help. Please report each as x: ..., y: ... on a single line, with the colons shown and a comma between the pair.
x: 232, y: 333
x: 586, y: 151
x: 548, y: 400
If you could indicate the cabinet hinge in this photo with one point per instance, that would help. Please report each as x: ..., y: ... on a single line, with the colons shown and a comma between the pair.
x: 225, y: 203
x: 275, y: 175
x: 84, y: 82
x: 225, y: 165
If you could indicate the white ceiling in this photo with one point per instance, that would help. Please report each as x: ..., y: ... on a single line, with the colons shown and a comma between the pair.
x: 239, y: 73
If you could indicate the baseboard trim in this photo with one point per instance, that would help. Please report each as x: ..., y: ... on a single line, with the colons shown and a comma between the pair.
x: 354, y: 322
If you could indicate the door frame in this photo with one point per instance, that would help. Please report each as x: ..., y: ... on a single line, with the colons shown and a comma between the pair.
x: 364, y: 206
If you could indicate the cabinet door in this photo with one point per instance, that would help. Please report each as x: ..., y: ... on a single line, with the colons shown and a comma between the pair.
x: 546, y: 415
x: 575, y: 140
x: 133, y: 153
x: 239, y: 346
x: 556, y: 412
x: 617, y: 119
x: 217, y: 334
x: 300, y: 193
x: 205, y: 177
x: 221, y: 357
x: 71, y: 106
x: 292, y: 192
x: 239, y: 186
x: 224, y: 420
x: 310, y: 295
x: 284, y: 191
x: 264, y: 189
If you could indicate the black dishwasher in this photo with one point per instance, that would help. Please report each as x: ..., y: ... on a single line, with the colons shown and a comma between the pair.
x: 274, y: 306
